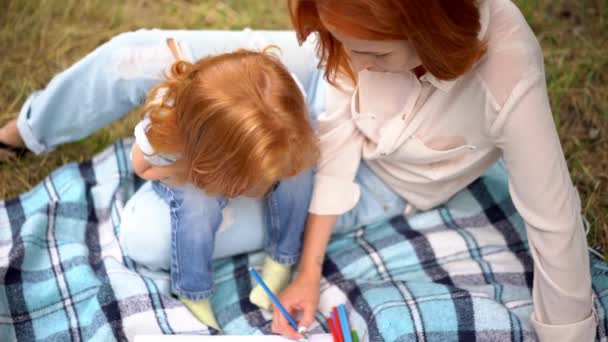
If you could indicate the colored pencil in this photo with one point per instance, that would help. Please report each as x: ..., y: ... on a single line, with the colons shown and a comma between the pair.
x: 344, y: 323
x: 274, y: 299
x: 336, y: 320
x: 330, y: 323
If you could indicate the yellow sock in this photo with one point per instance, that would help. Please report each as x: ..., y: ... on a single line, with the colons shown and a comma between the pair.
x: 276, y: 276
x: 201, y: 309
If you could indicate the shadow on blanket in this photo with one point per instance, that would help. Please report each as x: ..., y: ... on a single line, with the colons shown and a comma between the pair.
x: 459, y: 272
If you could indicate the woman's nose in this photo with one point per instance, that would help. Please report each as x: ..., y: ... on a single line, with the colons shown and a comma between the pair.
x: 362, y: 62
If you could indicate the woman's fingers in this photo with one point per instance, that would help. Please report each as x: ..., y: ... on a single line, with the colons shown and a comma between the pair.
x: 308, y: 315
x: 302, y: 297
x: 280, y: 324
x: 278, y: 321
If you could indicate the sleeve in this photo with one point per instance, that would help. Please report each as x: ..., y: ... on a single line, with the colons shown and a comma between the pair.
x: 150, y: 155
x: 543, y: 193
x: 335, y: 191
x: 140, y: 137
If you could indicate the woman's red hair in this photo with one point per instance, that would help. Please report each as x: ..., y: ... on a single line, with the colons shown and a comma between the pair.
x: 443, y: 32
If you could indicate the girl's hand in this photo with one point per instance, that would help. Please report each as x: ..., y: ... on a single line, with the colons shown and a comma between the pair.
x: 173, y: 174
x: 301, y: 296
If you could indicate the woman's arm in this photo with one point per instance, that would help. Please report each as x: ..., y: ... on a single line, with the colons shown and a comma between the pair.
x: 302, y: 295
x: 542, y: 192
x: 335, y: 192
x: 316, y: 237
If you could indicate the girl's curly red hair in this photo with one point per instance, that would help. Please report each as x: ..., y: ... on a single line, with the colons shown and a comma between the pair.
x: 238, y: 119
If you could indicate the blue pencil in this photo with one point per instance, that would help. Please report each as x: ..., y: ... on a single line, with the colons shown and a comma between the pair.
x: 344, y: 323
x: 274, y: 299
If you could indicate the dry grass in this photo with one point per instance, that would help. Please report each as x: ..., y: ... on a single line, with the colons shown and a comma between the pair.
x: 575, y: 41
x: 41, y: 38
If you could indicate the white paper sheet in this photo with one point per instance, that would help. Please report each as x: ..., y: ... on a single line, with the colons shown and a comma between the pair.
x: 227, y: 338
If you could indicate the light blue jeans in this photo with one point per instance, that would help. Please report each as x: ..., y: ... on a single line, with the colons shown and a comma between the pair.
x: 196, y: 218
x: 116, y: 77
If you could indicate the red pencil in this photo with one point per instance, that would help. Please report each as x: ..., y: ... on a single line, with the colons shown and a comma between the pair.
x: 330, y: 323
x: 338, y: 325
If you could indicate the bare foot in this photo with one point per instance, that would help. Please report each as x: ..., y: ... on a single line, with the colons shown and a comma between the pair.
x: 9, y: 134
x: 6, y: 154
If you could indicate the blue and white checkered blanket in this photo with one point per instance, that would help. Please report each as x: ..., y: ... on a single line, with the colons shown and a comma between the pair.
x: 459, y: 272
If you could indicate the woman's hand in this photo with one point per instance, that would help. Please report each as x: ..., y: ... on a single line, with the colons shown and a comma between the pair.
x: 301, y: 296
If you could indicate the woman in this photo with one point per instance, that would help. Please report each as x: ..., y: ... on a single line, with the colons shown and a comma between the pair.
x: 429, y: 94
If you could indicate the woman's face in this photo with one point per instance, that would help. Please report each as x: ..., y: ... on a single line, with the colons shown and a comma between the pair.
x: 378, y: 55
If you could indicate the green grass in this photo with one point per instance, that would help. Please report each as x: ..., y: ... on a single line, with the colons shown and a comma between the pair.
x: 40, y: 38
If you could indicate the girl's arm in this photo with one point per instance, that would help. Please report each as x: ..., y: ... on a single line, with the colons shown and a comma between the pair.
x: 140, y: 165
x: 148, y: 171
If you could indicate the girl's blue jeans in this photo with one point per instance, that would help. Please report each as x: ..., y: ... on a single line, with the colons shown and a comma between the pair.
x: 196, y: 218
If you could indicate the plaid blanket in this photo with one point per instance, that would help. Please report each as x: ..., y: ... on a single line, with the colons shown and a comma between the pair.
x: 459, y: 272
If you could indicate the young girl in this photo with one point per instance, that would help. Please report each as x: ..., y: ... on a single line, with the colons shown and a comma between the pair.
x: 229, y: 125
x: 428, y: 95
